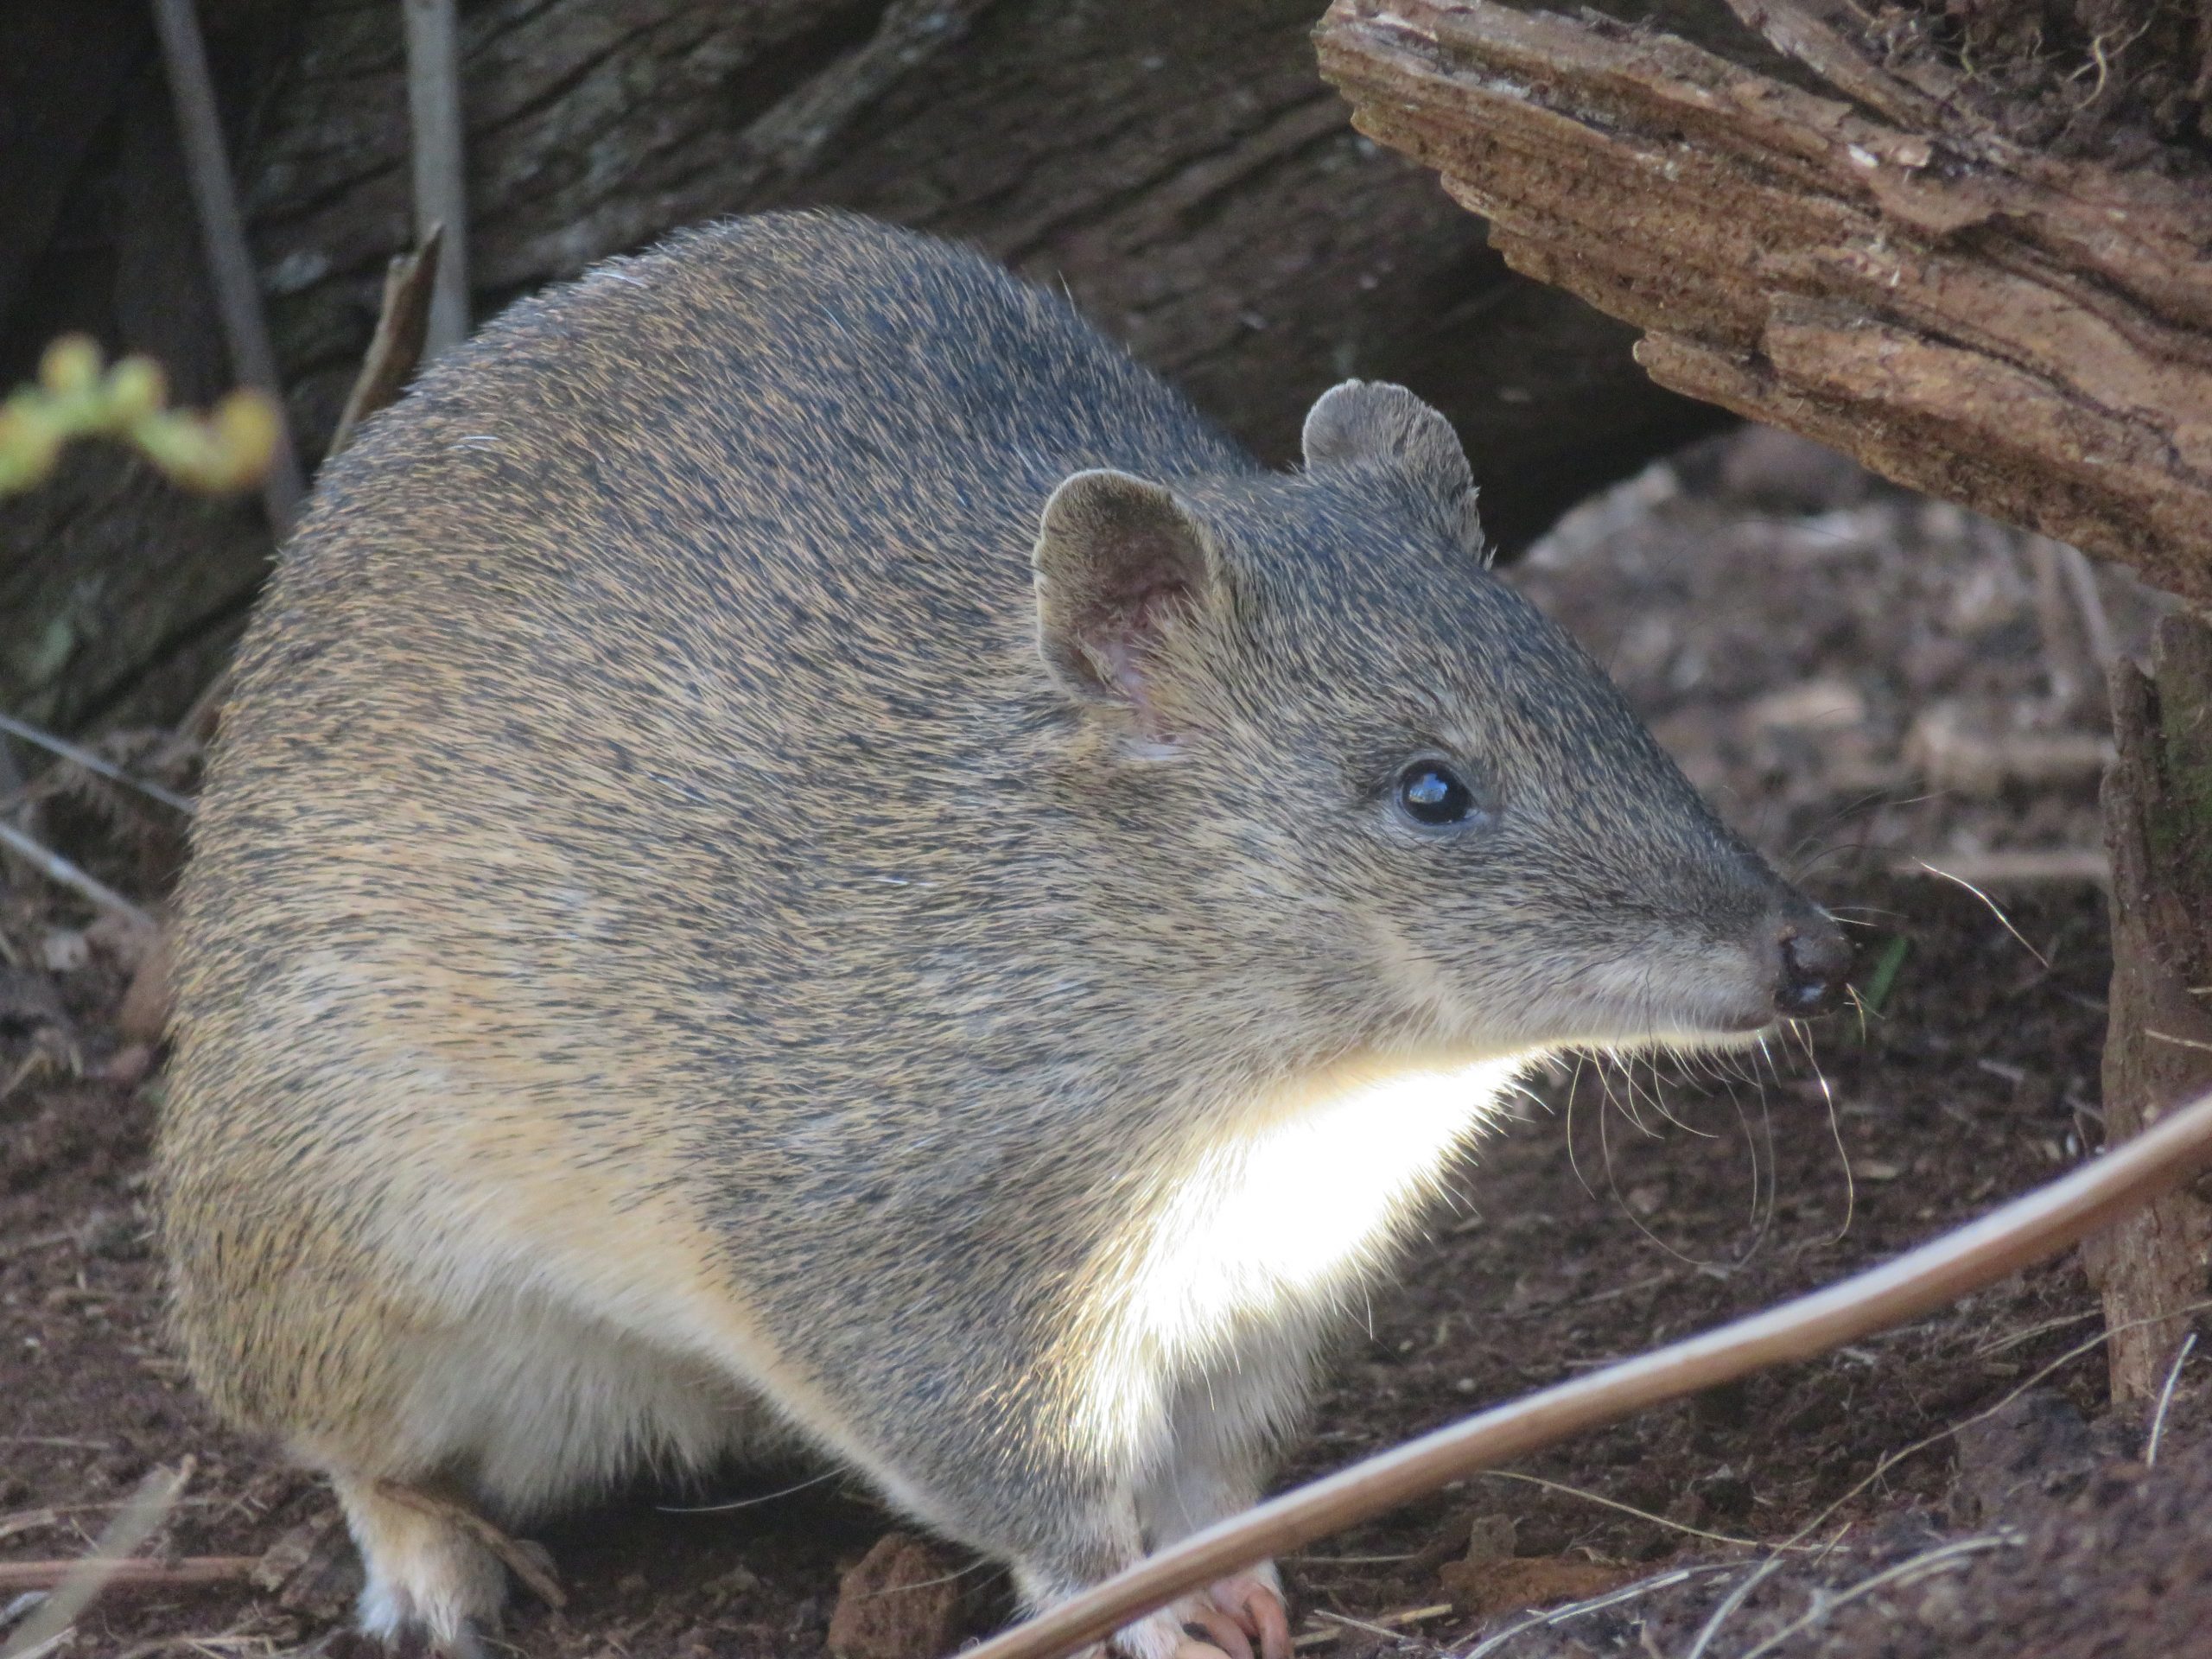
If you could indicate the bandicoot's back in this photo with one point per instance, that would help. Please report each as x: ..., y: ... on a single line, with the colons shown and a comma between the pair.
x: 801, y: 849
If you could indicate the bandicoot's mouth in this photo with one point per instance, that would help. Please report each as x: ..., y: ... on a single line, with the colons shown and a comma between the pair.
x: 1603, y: 1024
x: 1724, y: 1003
x: 1684, y: 1040
x: 1706, y: 1039
x: 1629, y: 1001
x: 1700, y: 1030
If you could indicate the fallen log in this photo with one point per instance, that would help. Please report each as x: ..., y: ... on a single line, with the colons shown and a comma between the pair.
x: 1875, y: 265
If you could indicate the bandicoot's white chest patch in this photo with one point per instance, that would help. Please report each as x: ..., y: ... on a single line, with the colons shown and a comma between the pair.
x: 1276, y: 1221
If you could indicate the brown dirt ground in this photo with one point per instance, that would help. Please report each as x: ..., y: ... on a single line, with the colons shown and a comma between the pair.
x: 1865, y: 680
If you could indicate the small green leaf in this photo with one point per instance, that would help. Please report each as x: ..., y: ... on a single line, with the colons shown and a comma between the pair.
x: 1883, y: 979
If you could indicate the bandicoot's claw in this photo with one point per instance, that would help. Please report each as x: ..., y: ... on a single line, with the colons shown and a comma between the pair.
x: 1259, y: 1611
x: 1220, y: 1629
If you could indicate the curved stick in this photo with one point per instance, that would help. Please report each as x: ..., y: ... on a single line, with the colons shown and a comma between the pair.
x: 2029, y: 1230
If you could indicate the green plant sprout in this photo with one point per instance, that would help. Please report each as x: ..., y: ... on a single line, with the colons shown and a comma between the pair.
x: 227, y: 448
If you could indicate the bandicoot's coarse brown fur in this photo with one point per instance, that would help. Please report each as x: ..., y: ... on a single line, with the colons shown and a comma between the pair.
x: 801, y: 850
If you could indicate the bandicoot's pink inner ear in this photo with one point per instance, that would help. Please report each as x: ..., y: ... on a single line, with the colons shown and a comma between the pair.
x: 1116, y: 556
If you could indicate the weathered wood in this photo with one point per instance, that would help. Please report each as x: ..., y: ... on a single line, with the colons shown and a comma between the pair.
x: 2028, y: 336
x: 1180, y: 167
x: 2157, y: 801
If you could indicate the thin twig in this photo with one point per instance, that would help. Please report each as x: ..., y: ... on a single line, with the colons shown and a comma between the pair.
x: 435, y: 133
x: 222, y: 232
x: 2040, y: 1328
x: 1626, y: 1509
x: 1420, y: 1615
x: 1384, y: 1631
x: 2042, y: 961
x: 93, y: 763
x: 2165, y: 1403
x: 1941, y: 1559
x: 54, y: 868
x: 1553, y: 1615
x: 26, y: 1520
x: 2031, y: 1229
x: 78, y: 1441
x: 130, y: 1574
x: 2030, y: 866
x: 87, y: 1577
x: 2034, y: 1379
x: 1735, y: 1598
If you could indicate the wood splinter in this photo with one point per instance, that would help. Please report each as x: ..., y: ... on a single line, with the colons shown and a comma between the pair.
x: 2158, y: 804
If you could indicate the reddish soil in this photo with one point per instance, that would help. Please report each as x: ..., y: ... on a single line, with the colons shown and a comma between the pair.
x: 1789, y: 628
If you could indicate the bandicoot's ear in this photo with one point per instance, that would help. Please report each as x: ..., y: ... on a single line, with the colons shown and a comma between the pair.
x: 1115, y: 555
x: 1373, y: 423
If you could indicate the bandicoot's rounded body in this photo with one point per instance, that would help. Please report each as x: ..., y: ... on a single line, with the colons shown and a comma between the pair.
x: 801, y: 850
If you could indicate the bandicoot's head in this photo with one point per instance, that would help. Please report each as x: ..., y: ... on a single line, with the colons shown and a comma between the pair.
x: 1403, y: 799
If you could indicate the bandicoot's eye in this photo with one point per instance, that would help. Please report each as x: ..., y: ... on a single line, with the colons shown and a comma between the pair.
x: 1434, y: 796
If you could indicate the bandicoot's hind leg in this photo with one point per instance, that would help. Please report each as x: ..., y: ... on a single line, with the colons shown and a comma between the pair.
x: 431, y: 1575
x: 527, y: 1406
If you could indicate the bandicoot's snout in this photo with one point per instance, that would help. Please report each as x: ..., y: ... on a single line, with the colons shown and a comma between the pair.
x: 1811, y: 960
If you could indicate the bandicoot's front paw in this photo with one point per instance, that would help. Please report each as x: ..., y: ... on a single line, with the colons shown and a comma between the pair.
x: 1212, y: 1631
x: 1243, y: 1617
x: 1182, y: 1631
x: 1254, y: 1603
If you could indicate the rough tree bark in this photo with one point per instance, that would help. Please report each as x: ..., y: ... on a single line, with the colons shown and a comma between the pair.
x: 2029, y: 336
x: 1181, y: 167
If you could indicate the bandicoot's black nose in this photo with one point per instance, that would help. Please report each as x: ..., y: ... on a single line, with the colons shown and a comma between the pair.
x: 1815, y: 960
